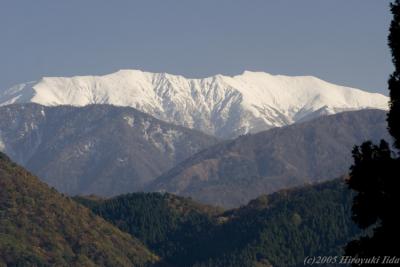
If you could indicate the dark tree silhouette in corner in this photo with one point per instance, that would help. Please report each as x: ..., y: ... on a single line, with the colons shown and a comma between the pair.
x: 394, y: 81
x: 375, y: 174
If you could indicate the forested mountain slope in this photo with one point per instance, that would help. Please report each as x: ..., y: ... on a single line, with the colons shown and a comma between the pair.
x: 278, y: 229
x: 40, y: 227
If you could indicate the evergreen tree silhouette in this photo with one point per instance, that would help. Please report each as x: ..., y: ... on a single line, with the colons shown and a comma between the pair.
x: 394, y: 81
x: 375, y: 174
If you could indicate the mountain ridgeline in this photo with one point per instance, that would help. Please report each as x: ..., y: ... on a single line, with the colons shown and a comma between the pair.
x: 100, y: 149
x: 108, y: 150
x: 231, y: 173
x: 273, y: 230
x: 222, y: 106
x: 41, y: 227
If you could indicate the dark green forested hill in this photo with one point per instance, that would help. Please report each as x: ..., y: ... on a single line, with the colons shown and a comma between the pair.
x: 168, y: 224
x: 278, y: 229
x: 283, y: 228
x: 40, y: 227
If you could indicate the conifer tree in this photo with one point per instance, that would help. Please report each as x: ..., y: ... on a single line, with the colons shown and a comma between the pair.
x: 394, y: 81
x: 375, y: 173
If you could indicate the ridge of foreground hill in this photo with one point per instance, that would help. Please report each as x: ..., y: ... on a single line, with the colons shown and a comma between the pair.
x: 41, y: 227
x: 280, y: 229
x: 231, y: 173
x: 96, y: 149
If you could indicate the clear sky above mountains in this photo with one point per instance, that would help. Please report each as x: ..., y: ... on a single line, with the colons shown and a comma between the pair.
x: 341, y: 41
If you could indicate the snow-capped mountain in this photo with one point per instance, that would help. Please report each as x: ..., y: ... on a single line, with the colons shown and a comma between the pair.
x: 221, y: 105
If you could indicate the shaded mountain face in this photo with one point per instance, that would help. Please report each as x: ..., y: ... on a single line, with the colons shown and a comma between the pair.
x: 40, y: 227
x: 280, y: 229
x: 99, y: 149
x: 231, y: 173
x: 223, y: 106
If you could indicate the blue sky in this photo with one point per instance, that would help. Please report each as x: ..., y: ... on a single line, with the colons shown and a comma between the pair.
x: 341, y: 41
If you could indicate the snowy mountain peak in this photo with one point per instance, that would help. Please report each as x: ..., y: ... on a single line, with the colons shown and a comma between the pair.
x: 221, y: 105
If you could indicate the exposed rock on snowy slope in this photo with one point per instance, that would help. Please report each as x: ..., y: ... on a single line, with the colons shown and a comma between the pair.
x: 220, y: 105
x: 98, y: 149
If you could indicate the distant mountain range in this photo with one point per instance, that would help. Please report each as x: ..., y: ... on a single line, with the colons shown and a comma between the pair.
x: 118, y: 133
x: 223, y: 106
x: 100, y: 149
x: 233, y: 172
x: 108, y: 150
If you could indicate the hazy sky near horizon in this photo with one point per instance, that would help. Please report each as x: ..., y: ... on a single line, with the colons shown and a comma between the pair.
x: 341, y: 41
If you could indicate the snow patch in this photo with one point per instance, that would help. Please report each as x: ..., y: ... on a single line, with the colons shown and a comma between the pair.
x: 122, y: 160
x: 2, y: 145
x: 129, y: 120
x: 85, y: 148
